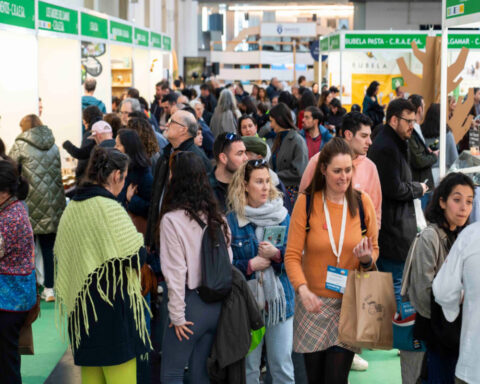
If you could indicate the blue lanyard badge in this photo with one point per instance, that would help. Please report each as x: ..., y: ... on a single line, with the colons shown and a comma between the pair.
x: 336, y: 279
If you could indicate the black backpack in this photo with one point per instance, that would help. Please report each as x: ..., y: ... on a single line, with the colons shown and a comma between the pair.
x: 216, y: 266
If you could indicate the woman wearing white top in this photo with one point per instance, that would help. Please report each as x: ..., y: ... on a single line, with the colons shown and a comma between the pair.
x: 458, y: 281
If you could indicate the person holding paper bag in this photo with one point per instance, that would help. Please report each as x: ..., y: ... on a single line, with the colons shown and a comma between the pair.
x: 325, y: 241
x: 257, y: 214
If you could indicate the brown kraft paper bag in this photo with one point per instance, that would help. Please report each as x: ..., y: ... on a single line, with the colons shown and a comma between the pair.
x: 368, y: 307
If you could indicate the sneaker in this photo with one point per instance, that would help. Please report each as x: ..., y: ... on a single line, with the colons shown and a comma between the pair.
x: 48, y: 295
x: 359, y: 364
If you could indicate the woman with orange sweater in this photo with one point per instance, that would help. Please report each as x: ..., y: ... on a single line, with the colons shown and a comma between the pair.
x: 329, y: 236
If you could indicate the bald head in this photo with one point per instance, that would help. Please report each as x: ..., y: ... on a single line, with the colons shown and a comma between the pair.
x: 186, y: 118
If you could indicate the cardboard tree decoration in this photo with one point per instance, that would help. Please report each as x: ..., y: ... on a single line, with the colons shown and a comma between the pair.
x: 428, y: 84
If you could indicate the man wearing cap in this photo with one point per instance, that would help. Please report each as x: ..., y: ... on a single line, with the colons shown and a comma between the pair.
x: 102, y: 133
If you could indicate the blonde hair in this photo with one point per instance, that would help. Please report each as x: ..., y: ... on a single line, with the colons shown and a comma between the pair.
x: 237, y: 193
x: 29, y: 122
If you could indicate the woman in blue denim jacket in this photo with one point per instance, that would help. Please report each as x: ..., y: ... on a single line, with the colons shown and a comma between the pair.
x: 256, y: 204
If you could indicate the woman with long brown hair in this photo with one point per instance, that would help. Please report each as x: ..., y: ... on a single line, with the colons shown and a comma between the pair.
x: 326, y: 234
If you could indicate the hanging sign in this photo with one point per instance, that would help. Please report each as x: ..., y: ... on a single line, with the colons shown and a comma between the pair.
x: 288, y: 29
x: 94, y: 26
x: 384, y: 41
x: 20, y: 13
x: 121, y: 32
x: 141, y: 37
x: 167, y: 43
x: 334, y: 42
x: 57, y: 19
x: 156, y: 40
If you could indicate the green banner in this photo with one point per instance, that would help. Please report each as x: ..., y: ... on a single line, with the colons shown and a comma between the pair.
x: 324, y: 44
x: 57, y: 19
x: 94, y: 26
x: 156, y: 40
x: 121, y: 32
x: 334, y: 42
x: 167, y: 43
x: 141, y: 37
x: 20, y: 13
x: 460, y: 41
x: 457, y: 8
x: 384, y: 41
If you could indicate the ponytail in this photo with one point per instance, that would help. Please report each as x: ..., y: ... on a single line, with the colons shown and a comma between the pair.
x: 102, y: 163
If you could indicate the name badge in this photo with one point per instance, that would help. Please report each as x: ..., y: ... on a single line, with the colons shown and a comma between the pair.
x: 336, y: 279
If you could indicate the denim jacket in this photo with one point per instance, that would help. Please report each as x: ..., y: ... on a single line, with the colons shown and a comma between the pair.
x: 245, y: 247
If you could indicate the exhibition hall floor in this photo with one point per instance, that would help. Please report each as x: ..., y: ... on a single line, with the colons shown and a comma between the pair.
x: 384, y: 366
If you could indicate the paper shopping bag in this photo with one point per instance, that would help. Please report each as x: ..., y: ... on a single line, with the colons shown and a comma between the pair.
x: 368, y: 307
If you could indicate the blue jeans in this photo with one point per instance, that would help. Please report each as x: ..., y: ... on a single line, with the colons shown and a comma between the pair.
x: 396, y: 269
x: 195, y: 351
x: 279, y: 339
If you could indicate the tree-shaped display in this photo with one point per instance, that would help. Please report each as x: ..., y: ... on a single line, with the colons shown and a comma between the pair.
x: 428, y: 84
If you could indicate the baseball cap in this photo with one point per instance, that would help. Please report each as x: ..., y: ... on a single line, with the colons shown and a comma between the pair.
x: 101, y: 127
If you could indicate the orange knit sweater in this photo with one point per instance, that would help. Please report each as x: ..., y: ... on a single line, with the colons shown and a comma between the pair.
x: 310, y: 267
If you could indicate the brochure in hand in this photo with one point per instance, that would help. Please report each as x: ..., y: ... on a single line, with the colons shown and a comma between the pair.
x: 275, y: 235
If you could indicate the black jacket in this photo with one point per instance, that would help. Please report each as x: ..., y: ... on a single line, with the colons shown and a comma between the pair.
x: 220, y: 189
x: 240, y: 314
x: 421, y: 160
x: 160, y: 179
x: 399, y: 227
x: 210, y: 103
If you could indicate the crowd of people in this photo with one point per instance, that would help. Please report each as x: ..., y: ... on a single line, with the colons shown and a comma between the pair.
x: 281, y: 184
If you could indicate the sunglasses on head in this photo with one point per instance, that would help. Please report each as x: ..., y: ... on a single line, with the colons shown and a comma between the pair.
x: 229, y: 137
x: 259, y: 163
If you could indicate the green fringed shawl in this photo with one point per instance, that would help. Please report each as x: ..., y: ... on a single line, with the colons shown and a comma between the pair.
x: 91, y: 236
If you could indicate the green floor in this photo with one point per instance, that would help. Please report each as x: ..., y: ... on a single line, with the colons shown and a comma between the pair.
x: 48, y: 348
x: 384, y: 366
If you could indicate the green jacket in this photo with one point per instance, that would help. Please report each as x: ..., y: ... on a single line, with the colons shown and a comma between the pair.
x: 36, y: 152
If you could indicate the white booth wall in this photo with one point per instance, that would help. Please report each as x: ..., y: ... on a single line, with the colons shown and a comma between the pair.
x: 141, y: 70
x: 60, y: 88
x: 103, y: 91
x: 156, y: 71
x: 18, y: 82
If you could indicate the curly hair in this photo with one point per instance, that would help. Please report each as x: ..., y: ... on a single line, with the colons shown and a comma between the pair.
x: 190, y: 190
x: 146, y: 134
x: 237, y: 193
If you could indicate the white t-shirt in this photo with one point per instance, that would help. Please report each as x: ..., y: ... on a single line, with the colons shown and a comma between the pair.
x: 460, y: 275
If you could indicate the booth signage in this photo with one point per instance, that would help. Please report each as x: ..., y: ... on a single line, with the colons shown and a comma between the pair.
x: 460, y: 41
x: 94, y: 26
x: 456, y: 8
x: 120, y: 32
x: 20, y: 13
x: 384, y: 41
x: 315, y: 49
x: 141, y: 37
x: 324, y: 44
x: 57, y: 19
x: 288, y: 29
x: 334, y: 42
x: 156, y: 40
x: 167, y: 43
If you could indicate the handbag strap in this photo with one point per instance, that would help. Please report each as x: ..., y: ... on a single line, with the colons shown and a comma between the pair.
x: 408, y: 267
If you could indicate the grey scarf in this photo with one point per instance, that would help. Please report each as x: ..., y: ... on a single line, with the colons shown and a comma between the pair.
x: 269, y: 214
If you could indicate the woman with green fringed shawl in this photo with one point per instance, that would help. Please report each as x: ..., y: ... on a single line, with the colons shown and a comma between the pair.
x: 99, y: 254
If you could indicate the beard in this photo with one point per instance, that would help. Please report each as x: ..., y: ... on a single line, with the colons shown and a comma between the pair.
x: 230, y: 167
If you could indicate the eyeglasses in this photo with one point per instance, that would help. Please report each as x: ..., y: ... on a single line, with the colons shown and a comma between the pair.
x: 170, y: 121
x: 409, y: 121
x: 259, y: 163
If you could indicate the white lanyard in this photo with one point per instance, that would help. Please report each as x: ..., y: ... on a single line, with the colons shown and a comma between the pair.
x: 342, y: 231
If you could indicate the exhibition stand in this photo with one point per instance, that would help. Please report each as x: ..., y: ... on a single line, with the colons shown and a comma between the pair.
x: 49, y: 52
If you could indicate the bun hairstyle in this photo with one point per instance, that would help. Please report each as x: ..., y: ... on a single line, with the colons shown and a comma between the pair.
x: 11, y: 181
x: 102, y: 163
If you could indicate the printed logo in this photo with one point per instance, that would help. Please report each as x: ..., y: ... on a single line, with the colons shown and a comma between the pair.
x: 279, y: 29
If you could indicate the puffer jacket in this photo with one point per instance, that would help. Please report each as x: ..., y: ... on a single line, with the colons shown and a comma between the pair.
x: 36, y: 152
